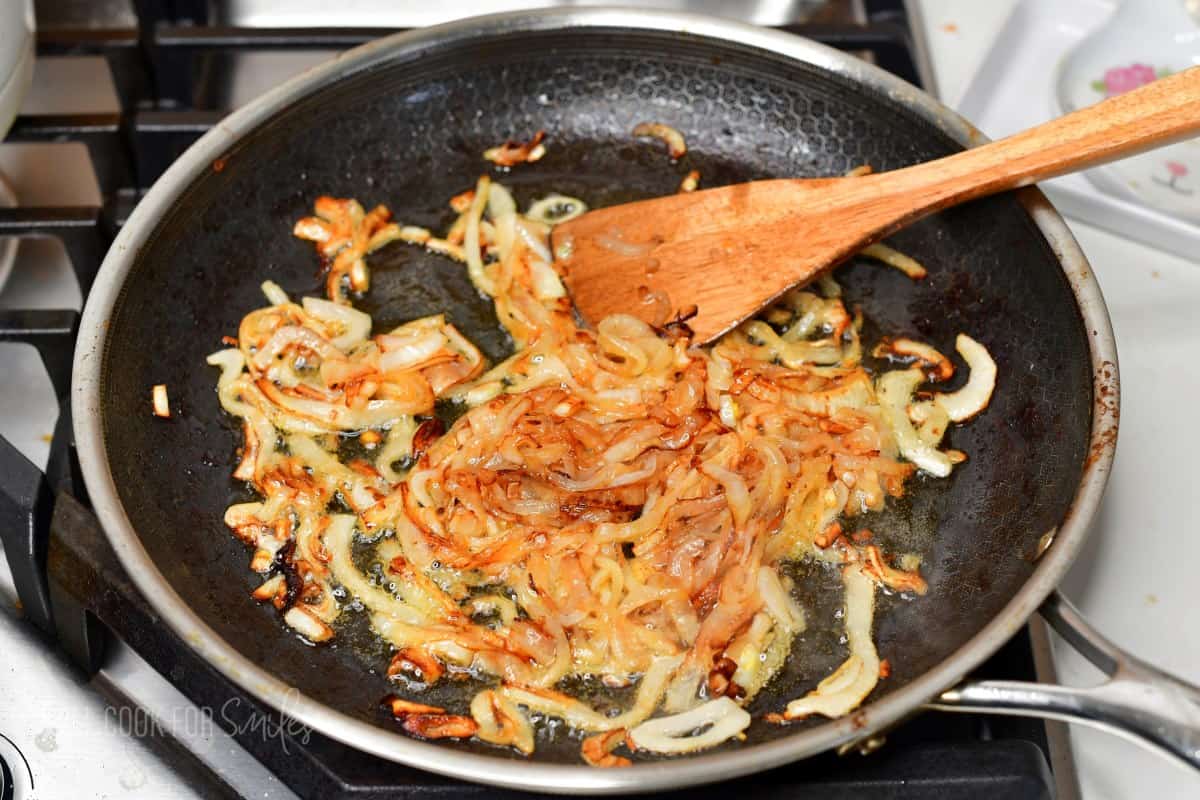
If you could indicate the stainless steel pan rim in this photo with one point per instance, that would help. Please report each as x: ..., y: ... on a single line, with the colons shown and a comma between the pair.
x: 86, y: 405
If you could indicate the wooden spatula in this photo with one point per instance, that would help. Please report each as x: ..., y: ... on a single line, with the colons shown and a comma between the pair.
x: 732, y: 250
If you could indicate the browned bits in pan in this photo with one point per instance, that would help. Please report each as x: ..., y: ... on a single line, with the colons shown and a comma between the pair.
x: 429, y: 432
x: 720, y: 679
x: 676, y: 145
x: 440, y: 726
x: 401, y: 707
x: 512, y: 153
x: 597, y: 750
x: 417, y: 664
x: 882, y: 572
x: 827, y: 537
x: 344, y: 233
x: 159, y: 402
x: 430, y: 722
x: 937, y: 366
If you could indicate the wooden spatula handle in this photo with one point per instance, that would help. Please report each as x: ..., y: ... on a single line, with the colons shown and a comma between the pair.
x: 728, y: 251
x: 1159, y: 113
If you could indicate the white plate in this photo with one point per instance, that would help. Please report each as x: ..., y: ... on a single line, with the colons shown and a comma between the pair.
x: 1143, y: 41
x: 1015, y: 88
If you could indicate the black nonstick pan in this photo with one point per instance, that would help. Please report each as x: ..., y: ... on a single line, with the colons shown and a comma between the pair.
x: 403, y: 122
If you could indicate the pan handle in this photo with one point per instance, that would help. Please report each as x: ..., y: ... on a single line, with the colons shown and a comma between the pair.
x: 1138, y: 701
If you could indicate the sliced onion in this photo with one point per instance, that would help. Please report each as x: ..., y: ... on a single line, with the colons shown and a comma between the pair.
x: 579, y: 715
x: 269, y: 588
x: 779, y: 603
x: 931, y: 421
x: 288, y: 336
x: 159, y: 401
x: 307, y: 625
x: 276, y: 296
x: 974, y: 396
x: 894, y: 258
x: 402, y: 352
x: 676, y: 145
x: 848, y: 685
x: 728, y: 411
x: 546, y: 283
x: 895, y: 392
x: 501, y: 721
x: 672, y: 734
x: 397, y: 447
x: 231, y: 362
x: 355, y: 326
x: 471, y: 240
x: 499, y: 202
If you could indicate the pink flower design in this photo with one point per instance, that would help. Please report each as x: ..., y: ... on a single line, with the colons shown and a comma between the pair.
x: 1176, y: 171
x: 1119, y: 80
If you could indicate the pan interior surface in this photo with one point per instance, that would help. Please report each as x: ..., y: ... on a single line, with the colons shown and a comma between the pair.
x: 408, y: 133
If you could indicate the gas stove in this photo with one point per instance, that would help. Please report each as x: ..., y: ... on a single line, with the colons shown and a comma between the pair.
x: 100, y: 696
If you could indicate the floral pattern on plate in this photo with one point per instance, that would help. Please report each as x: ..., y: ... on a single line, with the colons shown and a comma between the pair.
x: 1144, y: 40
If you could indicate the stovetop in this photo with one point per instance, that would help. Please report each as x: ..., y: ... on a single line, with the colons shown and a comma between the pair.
x: 121, y: 88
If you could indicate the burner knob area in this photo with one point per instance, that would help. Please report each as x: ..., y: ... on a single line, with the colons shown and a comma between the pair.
x: 7, y: 789
x: 16, y: 779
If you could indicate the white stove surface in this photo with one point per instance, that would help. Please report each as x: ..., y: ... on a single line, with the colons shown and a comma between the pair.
x: 1133, y: 580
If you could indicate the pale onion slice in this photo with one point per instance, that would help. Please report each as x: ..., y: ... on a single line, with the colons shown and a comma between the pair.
x: 930, y: 420
x: 502, y: 210
x: 307, y: 625
x: 974, y: 396
x: 546, y: 283
x: 895, y: 390
x: 728, y: 411
x: 499, y: 201
x: 335, y: 416
x: 231, y: 362
x: 471, y: 239
x: 404, y: 349
x: 159, y: 401
x: 940, y: 367
x: 276, y: 296
x: 536, y: 237
x: 554, y: 209
x: 844, y: 689
x: 673, y: 734
x: 397, y: 447
x: 779, y: 603
x: 748, y: 648
x: 269, y: 588
x: 353, y: 325
x: 386, y: 608
x: 579, y: 715
x: 501, y: 721
x: 291, y: 336
x: 894, y: 258
x: 676, y: 145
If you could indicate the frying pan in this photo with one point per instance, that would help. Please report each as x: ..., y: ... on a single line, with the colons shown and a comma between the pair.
x: 403, y: 121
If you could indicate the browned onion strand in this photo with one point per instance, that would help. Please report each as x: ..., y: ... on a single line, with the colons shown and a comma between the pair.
x: 613, y: 503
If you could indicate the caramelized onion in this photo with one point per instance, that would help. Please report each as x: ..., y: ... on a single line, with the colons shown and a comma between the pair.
x: 610, y: 503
